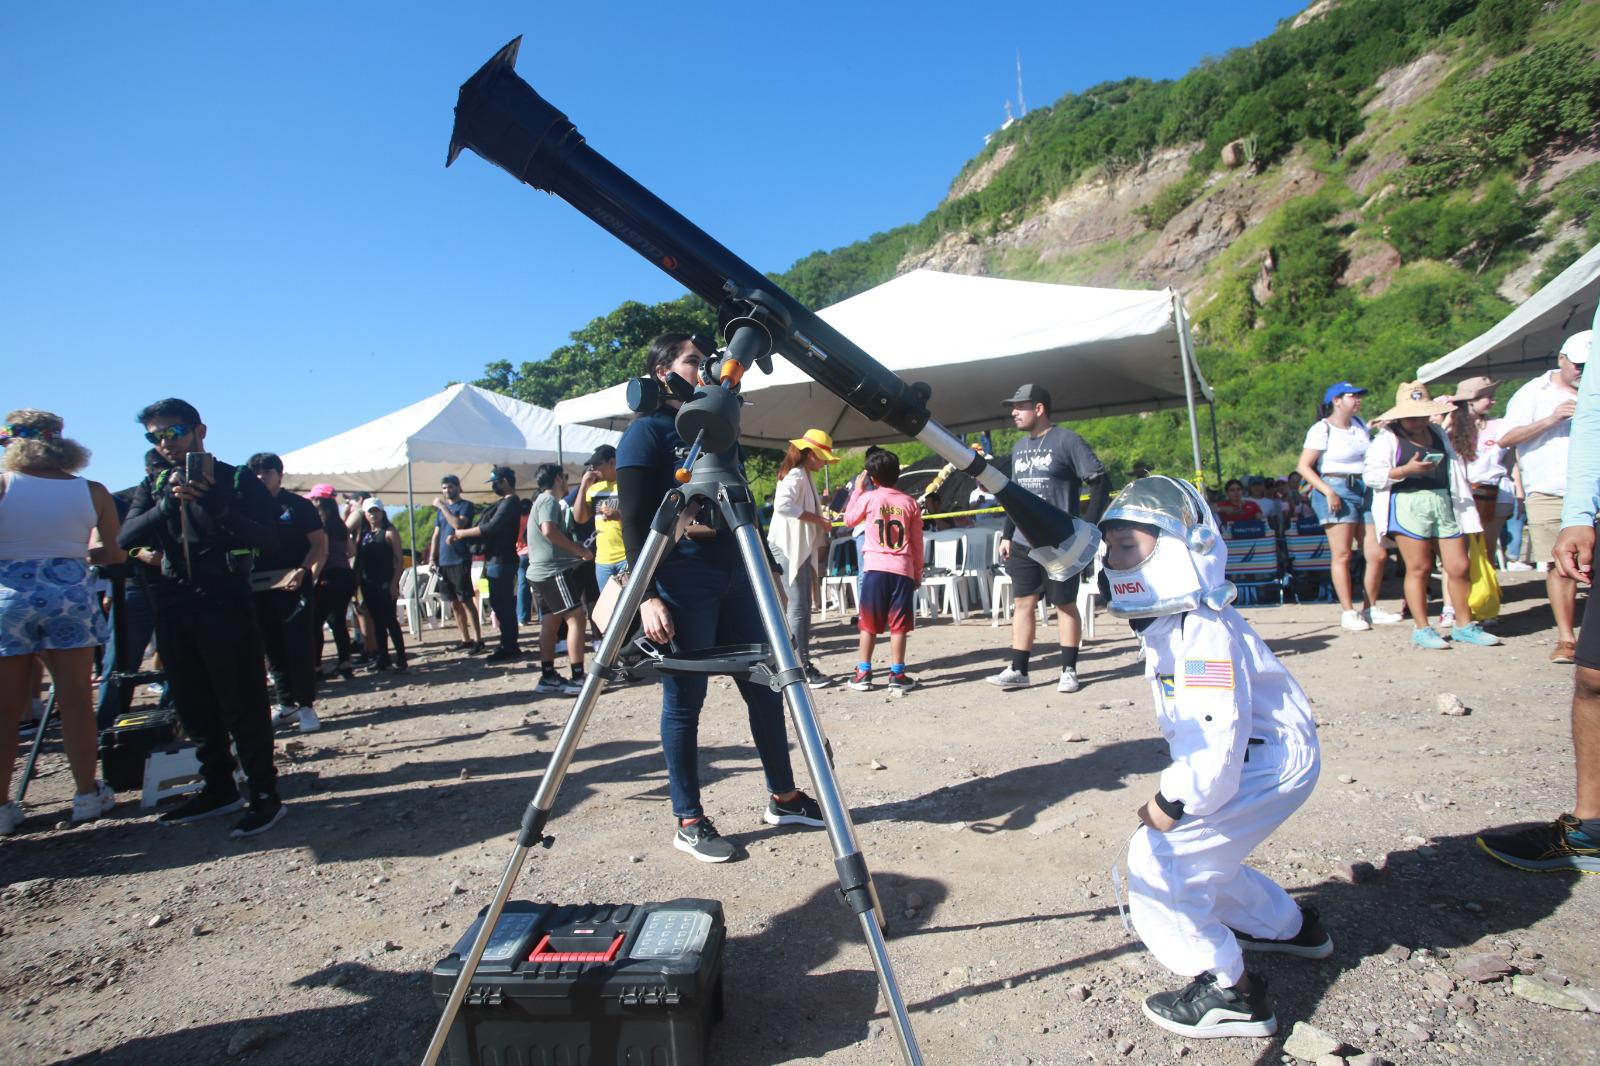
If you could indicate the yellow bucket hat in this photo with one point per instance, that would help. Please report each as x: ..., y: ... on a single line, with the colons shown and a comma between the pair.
x: 816, y: 440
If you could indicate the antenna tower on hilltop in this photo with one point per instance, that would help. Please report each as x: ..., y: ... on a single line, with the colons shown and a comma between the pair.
x: 1022, y: 104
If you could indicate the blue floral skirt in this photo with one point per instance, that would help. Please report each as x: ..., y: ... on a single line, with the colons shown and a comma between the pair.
x: 48, y: 605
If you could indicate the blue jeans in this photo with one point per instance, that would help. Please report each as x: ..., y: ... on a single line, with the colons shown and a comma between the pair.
x: 713, y: 605
x: 603, y: 572
x: 524, y: 593
x: 139, y: 625
x: 503, y: 600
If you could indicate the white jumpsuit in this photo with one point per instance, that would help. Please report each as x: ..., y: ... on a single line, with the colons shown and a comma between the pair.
x: 1244, y: 757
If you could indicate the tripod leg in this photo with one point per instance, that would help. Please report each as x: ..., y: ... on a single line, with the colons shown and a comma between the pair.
x: 534, y: 818
x: 38, y: 743
x: 851, y: 867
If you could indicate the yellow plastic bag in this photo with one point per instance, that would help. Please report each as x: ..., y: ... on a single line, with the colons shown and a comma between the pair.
x: 1484, y: 600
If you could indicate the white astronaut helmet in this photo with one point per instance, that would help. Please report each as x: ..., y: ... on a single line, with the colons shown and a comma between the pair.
x: 1187, y: 568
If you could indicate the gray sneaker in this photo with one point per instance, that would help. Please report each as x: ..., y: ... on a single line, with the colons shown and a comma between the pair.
x: 1009, y: 679
x: 702, y: 840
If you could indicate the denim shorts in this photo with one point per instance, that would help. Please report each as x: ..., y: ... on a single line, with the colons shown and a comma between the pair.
x: 48, y: 605
x: 1357, y: 502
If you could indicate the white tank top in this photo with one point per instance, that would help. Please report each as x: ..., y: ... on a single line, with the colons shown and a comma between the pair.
x: 45, y: 518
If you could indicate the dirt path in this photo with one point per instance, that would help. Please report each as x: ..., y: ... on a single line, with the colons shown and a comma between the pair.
x: 990, y: 826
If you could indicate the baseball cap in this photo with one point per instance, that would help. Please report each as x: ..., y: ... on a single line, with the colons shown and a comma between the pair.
x: 450, y: 479
x: 321, y: 492
x: 1029, y: 394
x: 372, y: 503
x: 1576, y: 347
x: 1333, y: 392
x: 498, y: 472
x: 603, y: 454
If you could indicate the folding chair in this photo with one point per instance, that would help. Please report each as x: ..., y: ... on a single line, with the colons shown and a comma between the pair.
x: 1253, y: 565
x: 1309, y: 559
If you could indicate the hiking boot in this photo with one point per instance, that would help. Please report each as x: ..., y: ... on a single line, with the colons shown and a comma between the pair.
x: 902, y: 682
x: 1378, y: 616
x: 1565, y: 653
x: 816, y: 678
x: 702, y: 840
x: 862, y: 682
x: 309, y: 723
x: 1204, y: 1009
x: 1353, y: 621
x: 1311, y: 942
x: 802, y: 810
x: 92, y: 805
x: 11, y: 818
x: 1009, y: 679
x: 1429, y: 638
x: 556, y: 685
x: 266, y: 811
x: 1472, y: 633
x: 1549, y: 848
x: 203, y: 804
x: 1069, y: 681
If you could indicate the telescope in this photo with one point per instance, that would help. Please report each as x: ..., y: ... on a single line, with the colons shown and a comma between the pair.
x: 501, y: 118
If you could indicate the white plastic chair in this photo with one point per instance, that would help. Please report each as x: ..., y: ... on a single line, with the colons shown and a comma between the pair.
x: 1000, y: 598
x: 976, y: 549
x: 943, y: 583
x: 838, y: 586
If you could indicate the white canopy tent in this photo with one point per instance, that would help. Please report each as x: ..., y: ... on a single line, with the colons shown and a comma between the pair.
x: 974, y: 340
x: 463, y: 430
x: 1525, y: 342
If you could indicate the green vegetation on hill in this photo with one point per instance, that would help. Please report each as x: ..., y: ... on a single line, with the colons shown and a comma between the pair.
x: 1519, y: 80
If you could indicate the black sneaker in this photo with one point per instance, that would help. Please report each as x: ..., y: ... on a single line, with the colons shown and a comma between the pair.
x: 901, y: 682
x: 203, y: 804
x: 377, y: 666
x: 400, y: 668
x: 1554, y: 847
x: 816, y: 678
x: 266, y: 811
x: 1311, y: 942
x: 503, y: 655
x: 1205, y: 1010
x: 477, y: 647
x: 802, y: 810
x: 702, y: 840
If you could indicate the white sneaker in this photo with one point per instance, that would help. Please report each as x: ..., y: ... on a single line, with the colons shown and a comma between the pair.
x: 1353, y: 621
x: 283, y: 712
x: 1069, y: 681
x: 11, y: 817
x: 309, y: 723
x: 1447, y: 618
x: 1378, y: 616
x: 1009, y: 679
x: 1518, y: 564
x: 88, y: 807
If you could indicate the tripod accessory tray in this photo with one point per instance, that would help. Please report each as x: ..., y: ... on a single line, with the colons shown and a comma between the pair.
x: 592, y: 983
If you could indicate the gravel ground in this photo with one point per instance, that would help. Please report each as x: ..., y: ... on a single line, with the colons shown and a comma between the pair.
x: 990, y: 820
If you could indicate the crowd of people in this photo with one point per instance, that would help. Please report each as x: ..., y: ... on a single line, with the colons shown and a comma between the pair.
x: 238, y: 578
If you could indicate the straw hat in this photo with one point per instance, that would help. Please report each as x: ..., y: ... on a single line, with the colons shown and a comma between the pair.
x: 816, y: 440
x: 1473, y: 389
x: 1411, y: 400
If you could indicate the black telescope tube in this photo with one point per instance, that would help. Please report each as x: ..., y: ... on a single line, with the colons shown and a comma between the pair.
x: 502, y: 119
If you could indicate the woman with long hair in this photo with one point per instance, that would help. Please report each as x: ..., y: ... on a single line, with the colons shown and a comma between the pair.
x: 1333, y: 463
x: 699, y: 597
x: 53, y: 525
x: 1421, y: 498
x: 379, y: 562
x: 798, y: 527
x: 1475, y: 437
x: 336, y: 585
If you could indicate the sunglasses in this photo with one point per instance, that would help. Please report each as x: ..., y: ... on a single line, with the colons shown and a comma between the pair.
x: 11, y: 433
x: 166, y: 433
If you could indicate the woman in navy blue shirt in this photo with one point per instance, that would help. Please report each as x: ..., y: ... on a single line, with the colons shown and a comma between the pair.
x: 700, y: 597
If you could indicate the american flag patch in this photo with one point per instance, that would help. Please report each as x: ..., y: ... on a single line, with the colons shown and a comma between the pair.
x: 1208, y: 673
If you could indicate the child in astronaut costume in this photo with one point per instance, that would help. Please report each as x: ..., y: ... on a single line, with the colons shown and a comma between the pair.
x: 1244, y: 758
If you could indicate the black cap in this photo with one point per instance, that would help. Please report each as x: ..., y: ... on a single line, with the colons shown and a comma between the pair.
x: 450, y: 479
x: 498, y: 472
x: 1030, y: 394
x: 603, y: 454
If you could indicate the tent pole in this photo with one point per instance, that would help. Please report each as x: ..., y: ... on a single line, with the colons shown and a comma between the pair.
x: 561, y: 456
x: 1216, y: 446
x: 1187, y: 357
x: 412, y: 603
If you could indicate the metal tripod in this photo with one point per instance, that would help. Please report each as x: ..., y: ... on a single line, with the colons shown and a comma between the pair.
x: 712, y: 481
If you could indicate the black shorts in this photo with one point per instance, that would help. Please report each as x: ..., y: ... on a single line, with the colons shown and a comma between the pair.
x: 558, y: 595
x: 1588, y: 655
x: 1028, y: 579
x: 455, y: 583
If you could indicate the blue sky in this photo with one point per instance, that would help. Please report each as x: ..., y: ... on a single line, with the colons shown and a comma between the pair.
x: 247, y: 205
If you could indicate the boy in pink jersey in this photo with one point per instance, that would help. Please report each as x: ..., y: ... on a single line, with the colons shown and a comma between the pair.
x: 891, y: 569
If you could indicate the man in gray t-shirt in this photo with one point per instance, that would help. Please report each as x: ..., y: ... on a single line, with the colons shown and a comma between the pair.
x: 552, y: 556
x: 1052, y: 463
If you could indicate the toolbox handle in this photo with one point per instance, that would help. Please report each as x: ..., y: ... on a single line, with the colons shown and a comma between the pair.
x: 539, y: 954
